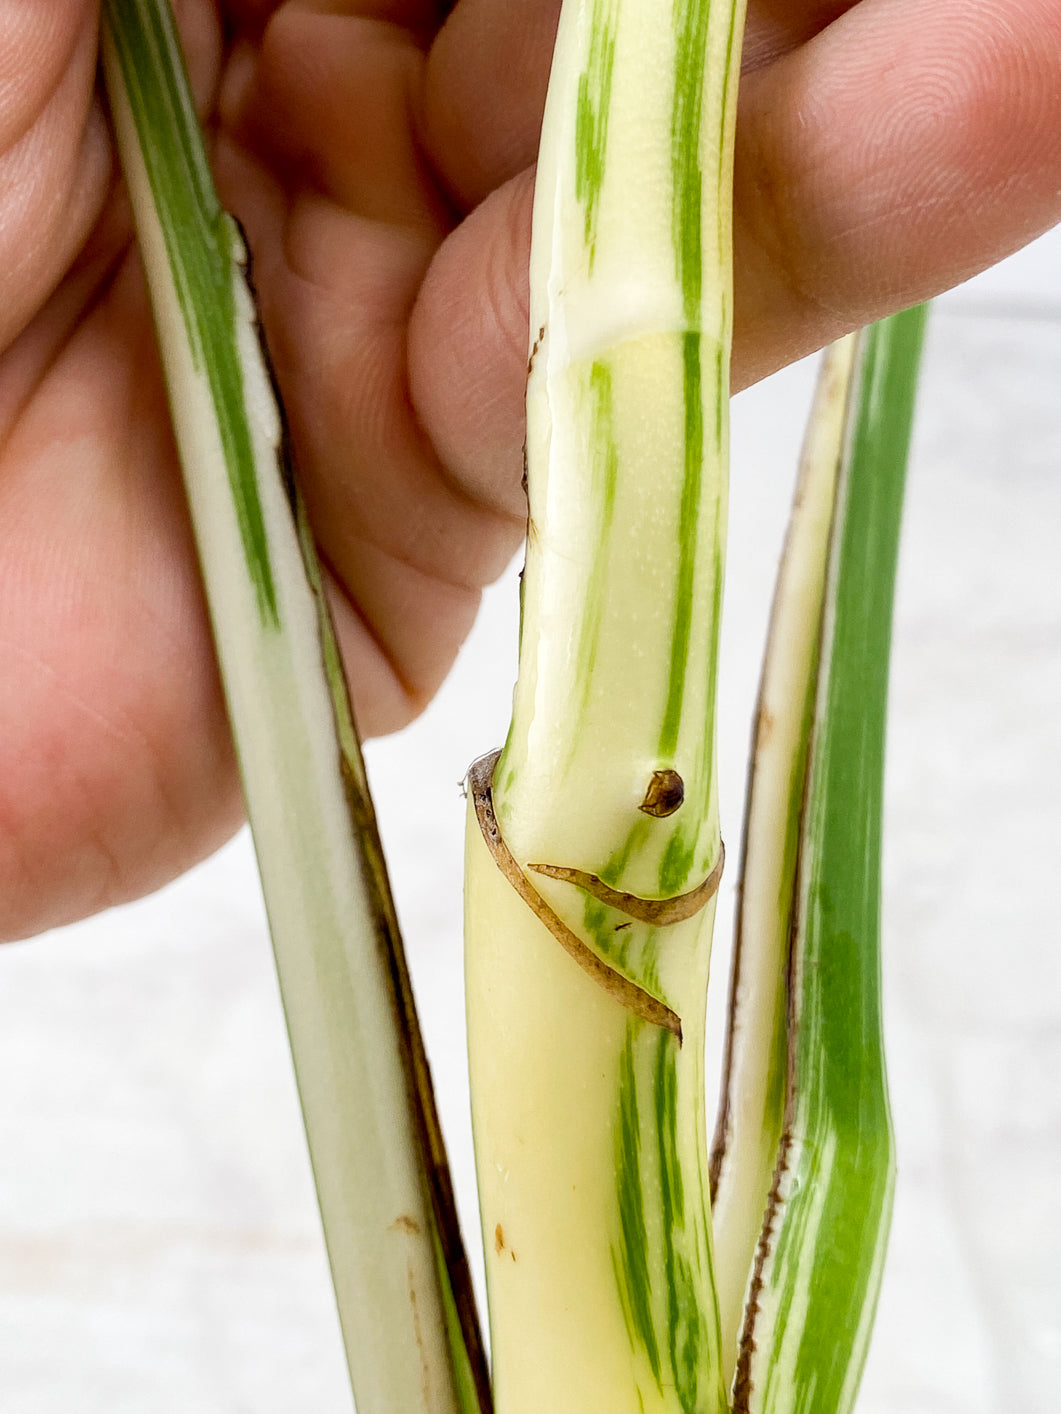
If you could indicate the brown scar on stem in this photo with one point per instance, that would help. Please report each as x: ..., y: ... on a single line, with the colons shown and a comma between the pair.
x: 764, y: 726
x: 534, y: 349
x: 404, y: 1223
x: 665, y: 794
x: 659, y: 912
x: 628, y: 994
x: 499, y: 1243
x: 425, y: 1371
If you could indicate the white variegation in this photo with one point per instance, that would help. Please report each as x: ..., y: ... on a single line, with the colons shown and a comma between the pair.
x: 346, y: 999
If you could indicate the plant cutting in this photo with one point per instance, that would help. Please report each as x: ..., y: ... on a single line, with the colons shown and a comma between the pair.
x: 587, y: 1062
x: 594, y: 847
x: 594, y: 850
x: 400, y: 1276
x: 802, y: 1169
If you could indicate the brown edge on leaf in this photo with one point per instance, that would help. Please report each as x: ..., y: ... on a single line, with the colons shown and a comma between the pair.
x: 743, y: 1383
x: 762, y: 730
x: 439, y: 1181
x: 436, y: 1172
x: 628, y: 994
x: 658, y: 912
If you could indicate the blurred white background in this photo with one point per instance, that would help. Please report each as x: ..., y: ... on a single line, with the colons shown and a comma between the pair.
x: 159, y: 1242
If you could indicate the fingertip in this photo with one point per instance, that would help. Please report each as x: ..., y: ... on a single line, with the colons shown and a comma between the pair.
x: 884, y: 163
x: 395, y: 665
x: 480, y: 109
x: 468, y: 348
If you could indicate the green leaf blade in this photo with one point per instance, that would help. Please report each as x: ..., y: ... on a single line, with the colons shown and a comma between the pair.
x: 819, y: 1264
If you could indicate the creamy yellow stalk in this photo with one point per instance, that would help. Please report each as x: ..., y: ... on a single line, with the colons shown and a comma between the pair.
x: 587, y: 1071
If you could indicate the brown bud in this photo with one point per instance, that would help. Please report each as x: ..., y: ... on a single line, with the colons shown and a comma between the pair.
x: 666, y: 791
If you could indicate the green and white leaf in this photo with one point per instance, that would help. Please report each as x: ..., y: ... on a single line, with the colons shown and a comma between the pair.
x: 748, y: 1134
x: 407, y: 1320
x: 805, y: 1130
x: 585, y: 1019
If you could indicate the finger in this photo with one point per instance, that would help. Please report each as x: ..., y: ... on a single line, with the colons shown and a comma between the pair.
x: 484, y: 91
x: 876, y: 167
x: 468, y: 347
x: 886, y: 161
x: 247, y: 19
x: 325, y: 98
x: 775, y: 27
x: 488, y: 70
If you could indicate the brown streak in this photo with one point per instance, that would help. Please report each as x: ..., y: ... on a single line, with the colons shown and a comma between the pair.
x: 500, y: 1245
x: 743, y: 1384
x: 431, y: 1147
x: 659, y: 912
x: 425, y: 1369
x: 627, y: 993
x: 534, y: 350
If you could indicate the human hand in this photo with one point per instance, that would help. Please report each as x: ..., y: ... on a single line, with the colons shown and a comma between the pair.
x: 382, y: 166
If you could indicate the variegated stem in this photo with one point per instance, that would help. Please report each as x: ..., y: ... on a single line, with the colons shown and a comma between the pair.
x: 400, y: 1278
x: 588, y: 1075
x: 748, y: 1133
x: 818, y: 1262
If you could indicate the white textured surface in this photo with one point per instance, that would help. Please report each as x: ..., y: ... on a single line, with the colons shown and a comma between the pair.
x: 159, y: 1245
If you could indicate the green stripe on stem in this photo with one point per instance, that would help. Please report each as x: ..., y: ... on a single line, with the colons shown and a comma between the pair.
x: 594, y: 106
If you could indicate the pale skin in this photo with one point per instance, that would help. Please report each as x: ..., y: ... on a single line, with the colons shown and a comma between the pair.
x: 381, y: 158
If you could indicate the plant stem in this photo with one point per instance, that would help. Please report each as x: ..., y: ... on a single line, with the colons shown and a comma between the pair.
x: 587, y: 1068
x: 400, y: 1278
x: 812, y: 903
x: 748, y: 1133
